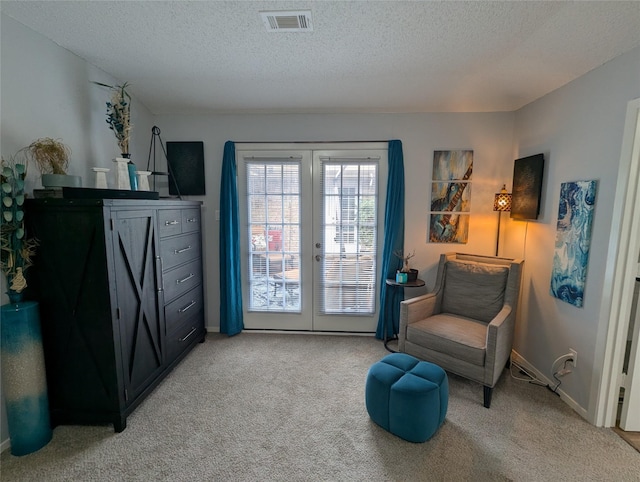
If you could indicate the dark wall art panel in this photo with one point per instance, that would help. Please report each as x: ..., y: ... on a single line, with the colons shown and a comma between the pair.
x: 186, y: 167
x: 527, y: 187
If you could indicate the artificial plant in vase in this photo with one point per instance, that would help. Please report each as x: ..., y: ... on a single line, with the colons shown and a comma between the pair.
x: 16, y: 249
x: 119, y: 115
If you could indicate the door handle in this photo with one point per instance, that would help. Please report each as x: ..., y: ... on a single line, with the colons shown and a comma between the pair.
x: 178, y: 251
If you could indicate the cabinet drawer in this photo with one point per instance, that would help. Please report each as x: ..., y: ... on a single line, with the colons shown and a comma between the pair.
x: 179, y: 250
x: 180, y: 280
x: 183, y: 337
x: 169, y: 222
x: 188, y: 305
x: 190, y: 220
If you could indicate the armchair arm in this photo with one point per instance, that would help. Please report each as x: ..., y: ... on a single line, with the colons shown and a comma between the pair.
x: 499, y: 341
x: 412, y: 310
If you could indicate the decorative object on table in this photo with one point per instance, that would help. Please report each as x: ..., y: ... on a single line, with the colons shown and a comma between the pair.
x: 450, y: 196
x: 527, y: 187
x: 501, y: 203
x: 409, y: 274
x: 122, y: 173
x: 143, y: 180
x: 155, y: 132
x: 52, y: 158
x: 16, y: 248
x: 101, y: 177
x: 24, y: 383
x: 133, y: 179
x: 186, y: 161
x: 573, y: 239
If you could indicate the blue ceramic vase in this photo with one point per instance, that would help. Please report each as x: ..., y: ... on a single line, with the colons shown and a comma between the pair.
x: 24, y: 382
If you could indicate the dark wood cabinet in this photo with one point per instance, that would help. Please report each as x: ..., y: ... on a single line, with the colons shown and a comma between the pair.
x: 109, y: 332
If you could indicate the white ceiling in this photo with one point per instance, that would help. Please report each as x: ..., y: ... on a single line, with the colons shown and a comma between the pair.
x: 362, y: 56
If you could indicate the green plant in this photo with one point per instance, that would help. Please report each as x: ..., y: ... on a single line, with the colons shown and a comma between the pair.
x: 50, y: 155
x: 16, y: 249
x: 119, y: 114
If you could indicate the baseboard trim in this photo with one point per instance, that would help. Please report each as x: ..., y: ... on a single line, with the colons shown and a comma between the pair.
x: 520, y: 360
x: 5, y: 445
x: 296, y: 332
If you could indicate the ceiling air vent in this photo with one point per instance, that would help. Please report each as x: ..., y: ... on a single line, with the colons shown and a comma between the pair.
x: 289, y: 21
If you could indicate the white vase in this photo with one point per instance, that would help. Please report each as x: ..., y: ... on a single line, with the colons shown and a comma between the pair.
x: 101, y: 177
x: 143, y: 180
x: 122, y: 173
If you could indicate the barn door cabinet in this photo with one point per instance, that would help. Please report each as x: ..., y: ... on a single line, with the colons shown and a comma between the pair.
x: 112, y: 326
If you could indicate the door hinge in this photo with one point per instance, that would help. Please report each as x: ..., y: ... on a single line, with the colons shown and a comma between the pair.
x: 622, y: 381
x: 118, y: 313
x: 112, y: 224
x: 126, y: 395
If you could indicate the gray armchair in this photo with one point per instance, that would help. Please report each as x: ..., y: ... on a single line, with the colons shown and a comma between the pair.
x: 466, y: 324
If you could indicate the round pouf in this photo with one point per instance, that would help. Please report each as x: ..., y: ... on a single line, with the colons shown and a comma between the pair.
x: 407, y: 397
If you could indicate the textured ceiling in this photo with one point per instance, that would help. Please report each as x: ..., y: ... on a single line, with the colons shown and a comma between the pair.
x: 362, y: 56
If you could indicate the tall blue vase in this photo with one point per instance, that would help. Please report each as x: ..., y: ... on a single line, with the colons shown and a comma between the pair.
x: 24, y: 382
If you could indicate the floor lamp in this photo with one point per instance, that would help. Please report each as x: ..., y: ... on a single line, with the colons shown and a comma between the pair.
x: 501, y: 202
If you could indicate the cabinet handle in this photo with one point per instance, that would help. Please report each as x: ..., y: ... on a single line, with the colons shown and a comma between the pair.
x: 192, y: 220
x: 193, y: 330
x: 178, y: 281
x: 161, y: 279
x: 190, y: 305
x: 178, y: 251
x: 171, y: 223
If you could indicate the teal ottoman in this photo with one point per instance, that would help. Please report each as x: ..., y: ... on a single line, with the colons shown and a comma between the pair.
x: 407, y: 397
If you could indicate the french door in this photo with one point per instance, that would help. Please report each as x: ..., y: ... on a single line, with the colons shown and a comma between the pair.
x: 311, y: 225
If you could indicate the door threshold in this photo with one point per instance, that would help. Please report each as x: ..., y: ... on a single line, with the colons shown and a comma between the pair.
x: 303, y: 332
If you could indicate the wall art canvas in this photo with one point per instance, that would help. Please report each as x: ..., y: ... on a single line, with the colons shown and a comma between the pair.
x: 573, y: 239
x: 449, y: 228
x: 527, y: 187
x: 450, y: 195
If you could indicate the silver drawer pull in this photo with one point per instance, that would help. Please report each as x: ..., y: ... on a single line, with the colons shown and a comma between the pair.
x: 178, y: 251
x: 178, y: 281
x: 193, y: 330
x: 190, y: 305
x: 171, y: 223
x: 192, y: 220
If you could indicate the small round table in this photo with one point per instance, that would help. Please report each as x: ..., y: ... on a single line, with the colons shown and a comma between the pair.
x: 409, y: 284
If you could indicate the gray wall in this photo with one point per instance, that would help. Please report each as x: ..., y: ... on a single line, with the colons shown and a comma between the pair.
x: 489, y: 135
x: 579, y: 129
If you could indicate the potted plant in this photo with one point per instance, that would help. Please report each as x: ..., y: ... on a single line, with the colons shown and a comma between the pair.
x: 412, y: 274
x: 52, y: 158
x: 17, y: 250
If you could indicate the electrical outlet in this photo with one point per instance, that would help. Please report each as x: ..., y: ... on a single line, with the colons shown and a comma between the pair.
x: 574, y: 354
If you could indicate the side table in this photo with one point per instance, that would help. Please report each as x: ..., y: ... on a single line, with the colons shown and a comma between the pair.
x: 409, y: 284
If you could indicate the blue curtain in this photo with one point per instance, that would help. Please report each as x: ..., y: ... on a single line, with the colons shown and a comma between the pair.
x: 391, y: 296
x: 231, y: 321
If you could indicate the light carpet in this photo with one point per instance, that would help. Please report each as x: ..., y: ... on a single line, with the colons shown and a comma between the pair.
x: 277, y: 407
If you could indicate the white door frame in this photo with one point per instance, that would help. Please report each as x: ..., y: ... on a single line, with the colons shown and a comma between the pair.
x: 280, y: 148
x: 622, y: 260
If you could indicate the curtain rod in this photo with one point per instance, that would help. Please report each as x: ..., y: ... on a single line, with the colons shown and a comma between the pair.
x: 307, y: 142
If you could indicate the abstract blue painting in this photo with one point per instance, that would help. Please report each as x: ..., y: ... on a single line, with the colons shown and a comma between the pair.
x: 573, y: 238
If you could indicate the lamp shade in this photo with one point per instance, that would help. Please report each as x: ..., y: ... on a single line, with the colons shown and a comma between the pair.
x: 502, y: 200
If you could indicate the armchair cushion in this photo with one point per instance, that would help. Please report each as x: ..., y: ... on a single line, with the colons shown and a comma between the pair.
x: 461, y: 338
x: 474, y: 290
